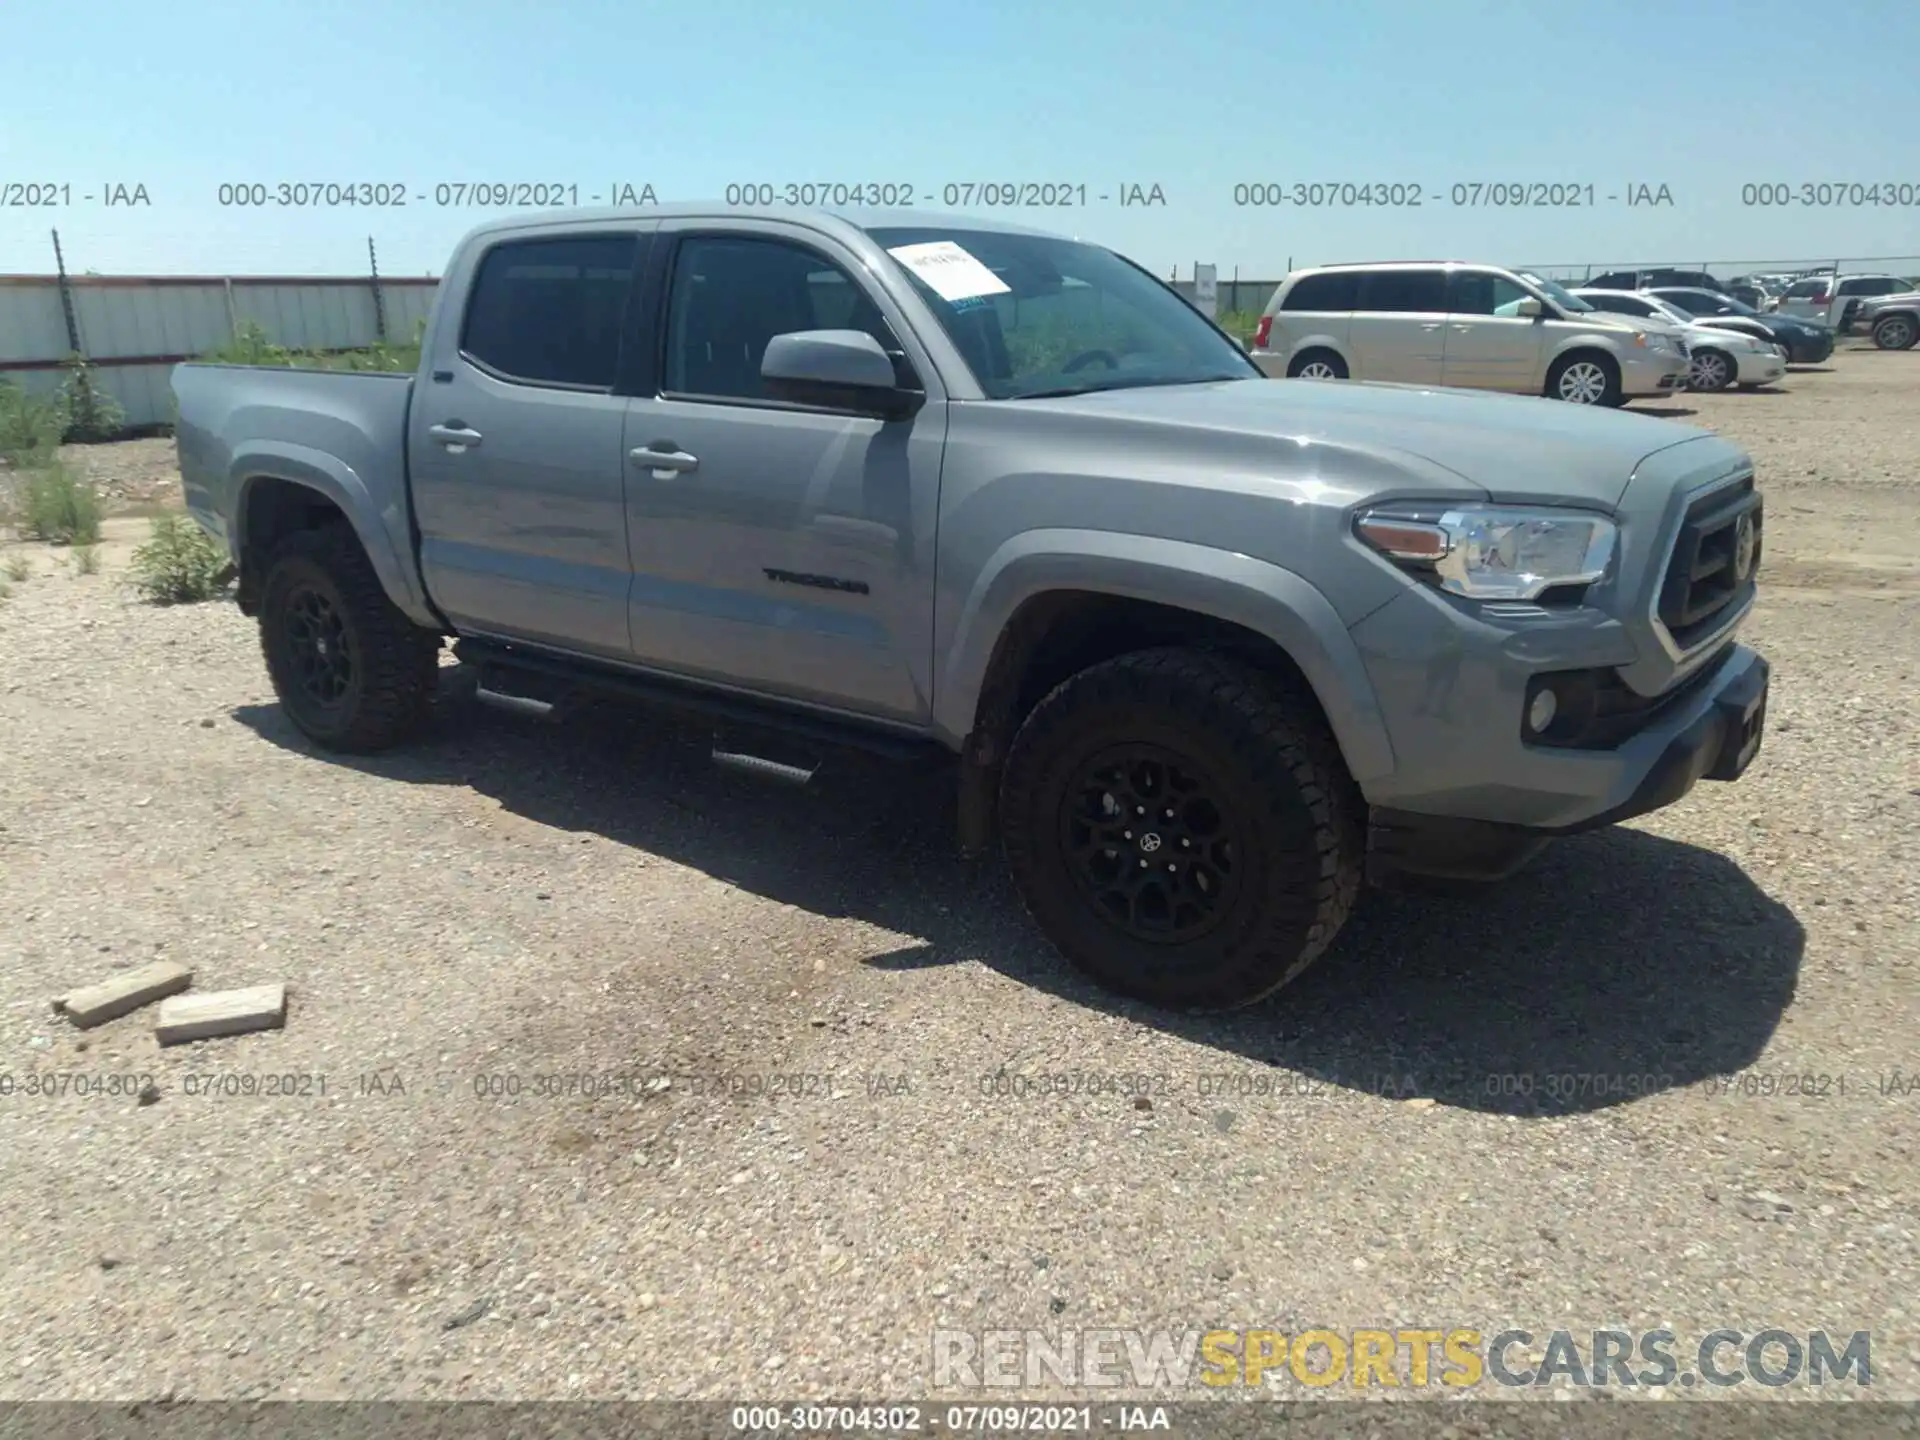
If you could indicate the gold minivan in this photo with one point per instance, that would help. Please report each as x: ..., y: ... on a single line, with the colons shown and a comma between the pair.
x: 1455, y: 324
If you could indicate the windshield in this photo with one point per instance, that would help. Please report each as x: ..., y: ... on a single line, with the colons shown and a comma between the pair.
x: 1034, y: 315
x: 1711, y: 303
x: 1667, y: 310
x: 1559, y: 294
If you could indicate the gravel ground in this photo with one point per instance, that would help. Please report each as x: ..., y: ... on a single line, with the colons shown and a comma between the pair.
x: 504, y: 903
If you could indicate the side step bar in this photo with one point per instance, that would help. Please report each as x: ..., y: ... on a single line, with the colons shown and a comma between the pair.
x: 762, y: 768
x: 533, y: 684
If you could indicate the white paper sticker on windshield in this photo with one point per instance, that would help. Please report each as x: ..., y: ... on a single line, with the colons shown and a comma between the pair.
x: 952, y: 272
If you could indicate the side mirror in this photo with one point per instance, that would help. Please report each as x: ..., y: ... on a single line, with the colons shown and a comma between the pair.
x: 1528, y: 309
x: 837, y: 370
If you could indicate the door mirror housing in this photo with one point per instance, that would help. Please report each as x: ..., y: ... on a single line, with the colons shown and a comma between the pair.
x: 836, y: 370
x: 1529, y: 309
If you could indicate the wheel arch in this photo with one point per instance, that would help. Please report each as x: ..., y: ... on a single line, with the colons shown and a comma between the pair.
x: 284, y: 488
x: 1054, y: 602
x: 1310, y: 348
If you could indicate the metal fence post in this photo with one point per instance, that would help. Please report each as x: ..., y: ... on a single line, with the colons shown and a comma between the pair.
x: 379, y: 301
x: 66, y: 298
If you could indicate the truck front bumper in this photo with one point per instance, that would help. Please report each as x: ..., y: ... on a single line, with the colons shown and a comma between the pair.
x: 1714, y: 735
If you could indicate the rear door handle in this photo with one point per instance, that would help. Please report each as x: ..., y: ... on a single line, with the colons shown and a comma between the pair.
x: 665, y: 459
x: 454, y: 436
x: 1434, y: 326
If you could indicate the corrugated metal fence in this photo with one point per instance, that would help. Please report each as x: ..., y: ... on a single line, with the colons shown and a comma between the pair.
x: 134, y: 328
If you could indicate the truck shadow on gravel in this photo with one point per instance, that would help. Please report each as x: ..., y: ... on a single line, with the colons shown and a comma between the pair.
x: 1619, y: 965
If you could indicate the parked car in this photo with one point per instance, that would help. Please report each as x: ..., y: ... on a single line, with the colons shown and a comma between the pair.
x: 1892, y: 320
x: 1808, y: 342
x: 1715, y: 358
x: 1646, y: 279
x: 1835, y: 298
x: 1474, y: 326
x: 1749, y: 293
x: 1206, y: 651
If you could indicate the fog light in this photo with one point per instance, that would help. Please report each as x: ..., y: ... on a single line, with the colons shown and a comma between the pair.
x: 1540, y: 713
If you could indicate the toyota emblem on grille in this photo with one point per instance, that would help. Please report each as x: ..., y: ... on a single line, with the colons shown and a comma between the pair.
x: 1744, y: 541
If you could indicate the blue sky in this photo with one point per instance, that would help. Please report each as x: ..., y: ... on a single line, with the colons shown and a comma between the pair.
x: 690, y: 96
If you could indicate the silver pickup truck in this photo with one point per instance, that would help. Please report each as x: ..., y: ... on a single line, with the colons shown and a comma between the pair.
x: 1208, y: 652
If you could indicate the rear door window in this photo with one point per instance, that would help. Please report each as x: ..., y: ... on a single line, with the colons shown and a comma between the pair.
x: 1404, y: 292
x: 550, y: 312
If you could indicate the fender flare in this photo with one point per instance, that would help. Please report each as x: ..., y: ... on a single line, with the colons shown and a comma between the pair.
x: 1264, y: 598
x: 386, y: 535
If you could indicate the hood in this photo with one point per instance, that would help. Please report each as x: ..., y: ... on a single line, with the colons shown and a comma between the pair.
x: 1515, y: 447
x: 1905, y: 297
x: 1706, y: 330
x: 1651, y: 324
x: 1780, y: 320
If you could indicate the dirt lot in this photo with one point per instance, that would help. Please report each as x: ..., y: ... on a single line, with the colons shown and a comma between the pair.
x: 506, y: 903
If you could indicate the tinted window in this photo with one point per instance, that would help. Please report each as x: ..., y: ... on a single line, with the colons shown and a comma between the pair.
x: 1336, y: 290
x: 1620, y: 304
x: 731, y: 296
x: 1692, y: 302
x: 1480, y: 292
x: 1874, y: 286
x: 1616, y: 280
x: 1036, y: 315
x: 550, y: 311
x: 1404, y: 292
x: 1801, y: 288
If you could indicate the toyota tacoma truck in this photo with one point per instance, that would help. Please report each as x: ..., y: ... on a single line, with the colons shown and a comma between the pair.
x: 1208, y: 652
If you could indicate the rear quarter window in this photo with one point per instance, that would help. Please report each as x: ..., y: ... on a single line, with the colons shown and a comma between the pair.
x: 1324, y: 292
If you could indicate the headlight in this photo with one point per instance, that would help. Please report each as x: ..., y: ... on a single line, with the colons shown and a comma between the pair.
x: 1494, y: 552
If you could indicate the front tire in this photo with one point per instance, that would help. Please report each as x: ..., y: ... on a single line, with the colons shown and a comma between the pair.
x: 1710, y: 370
x: 1253, y: 859
x: 1585, y: 378
x: 351, y: 672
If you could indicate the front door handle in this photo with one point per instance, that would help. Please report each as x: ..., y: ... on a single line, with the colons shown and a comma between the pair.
x: 454, y: 436
x: 665, y: 459
x: 1464, y: 329
x: 1434, y: 326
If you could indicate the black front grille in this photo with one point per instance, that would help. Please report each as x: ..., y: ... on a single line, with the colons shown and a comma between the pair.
x: 1708, y: 572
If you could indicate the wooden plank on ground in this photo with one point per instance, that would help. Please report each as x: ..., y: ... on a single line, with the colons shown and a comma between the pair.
x: 93, y: 1005
x: 221, y: 1012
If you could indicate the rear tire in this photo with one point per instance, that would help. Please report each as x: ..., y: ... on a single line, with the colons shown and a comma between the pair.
x: 1586, y: 377
x: 351, y: 672
x: 1317, y: 365
x: 1245, y: 790
x: 1895, y: 332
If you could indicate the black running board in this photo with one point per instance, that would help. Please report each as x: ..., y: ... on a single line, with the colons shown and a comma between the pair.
x: 533, y: 683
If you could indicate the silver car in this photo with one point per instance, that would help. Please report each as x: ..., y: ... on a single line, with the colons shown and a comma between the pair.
x: 1715, y: 358
x: 1892, y: 320
x: 1836, y: 299
x: 1479, y: 327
